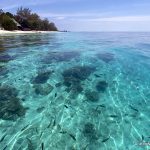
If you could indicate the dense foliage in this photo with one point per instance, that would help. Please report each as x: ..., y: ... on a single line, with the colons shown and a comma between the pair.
x: 26, y: 21
x: 7, y: 23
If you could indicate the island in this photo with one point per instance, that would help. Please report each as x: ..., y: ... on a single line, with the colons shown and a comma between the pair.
x: 24, y: 20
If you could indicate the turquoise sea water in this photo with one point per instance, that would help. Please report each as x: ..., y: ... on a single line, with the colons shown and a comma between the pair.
x: 75, y: 91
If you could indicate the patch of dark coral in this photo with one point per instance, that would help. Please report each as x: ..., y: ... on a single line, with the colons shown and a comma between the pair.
x: 43, y: 89
x: 77, y: 73
x: 92, y: 96
x: 89, y: 131
x: 74, y: 76
x: 7, y: 93
x: 42, y: 77
x: 76, y: 89
x: 4, y: 58
x: 101, y: 86
x: 106, y: 57
x: 71, y: 81
x: 3, y: 70
x: 11, y: 109
x: 60, y: 56
x: 10, y: 106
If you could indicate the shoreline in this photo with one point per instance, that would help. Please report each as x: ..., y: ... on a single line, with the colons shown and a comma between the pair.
x: 23, y: 32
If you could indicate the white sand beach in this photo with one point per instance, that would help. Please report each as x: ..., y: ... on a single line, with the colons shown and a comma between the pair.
x: 22, y: 32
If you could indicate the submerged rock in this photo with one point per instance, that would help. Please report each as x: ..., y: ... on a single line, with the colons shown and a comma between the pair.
x: 60, y: 56
x: 106, y: 57
x: 10, y: 106
x: 92, y: 96
x: 42, y: 77
x: 11, y: 109
x: 7, y: 93
x: 3, y: 70
x: 5, y: 58
x: 89, y: 131
x: 71, y: 81
x: 77, y: 89
x: 43, y: 89
x: 76, y: 74
x: 101, y: 86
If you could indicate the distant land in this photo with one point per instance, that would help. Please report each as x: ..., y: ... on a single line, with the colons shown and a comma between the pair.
x: 25, y: 20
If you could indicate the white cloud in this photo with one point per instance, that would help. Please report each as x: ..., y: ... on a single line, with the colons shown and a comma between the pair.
x: 60, y: 18
x: 105, y: 26
x: 74, y: 14
x: 96, y: 17
x: 121, y: 18
x: 122, y: 23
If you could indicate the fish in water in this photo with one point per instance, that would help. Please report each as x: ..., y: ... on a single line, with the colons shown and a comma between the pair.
x: 113, y: 116
x: 102, y: 105
x: 40, y: 109
x: 41, y: 134
x: 54, y: 123
x: 55, y: 94
x: 104, y: 140
x: 49, y: 125
x: 133, y: 108
x: 66, y: 106
x: 2, y: 138
x: 63, y: 132
x: 36, y: 129
x: 142, y: 137
x: 42, y: 146
x: 5, y: 147
x: 73, y: 137
x: 97, y: 76
x: 24, y: 127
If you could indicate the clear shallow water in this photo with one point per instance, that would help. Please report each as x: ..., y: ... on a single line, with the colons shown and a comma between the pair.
x: 75, y: 91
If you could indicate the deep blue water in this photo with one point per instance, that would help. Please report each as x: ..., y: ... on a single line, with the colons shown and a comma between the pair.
x: 75, y: 91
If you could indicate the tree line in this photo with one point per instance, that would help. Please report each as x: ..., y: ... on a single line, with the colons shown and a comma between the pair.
x: 24, y: 19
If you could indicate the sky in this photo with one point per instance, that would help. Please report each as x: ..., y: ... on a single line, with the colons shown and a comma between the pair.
x: 89, y: 15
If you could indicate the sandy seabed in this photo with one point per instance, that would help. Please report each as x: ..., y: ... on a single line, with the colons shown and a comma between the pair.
x: 75, y: 91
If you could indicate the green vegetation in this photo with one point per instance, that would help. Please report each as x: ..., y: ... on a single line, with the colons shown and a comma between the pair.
x: 7, y: 23
x: 24, y: 19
